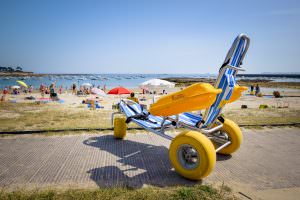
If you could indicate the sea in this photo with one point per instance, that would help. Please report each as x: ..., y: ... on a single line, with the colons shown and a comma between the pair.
x: 124, y: 80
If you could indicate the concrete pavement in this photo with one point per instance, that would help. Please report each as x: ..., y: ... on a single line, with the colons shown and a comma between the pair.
x: 269, y: 159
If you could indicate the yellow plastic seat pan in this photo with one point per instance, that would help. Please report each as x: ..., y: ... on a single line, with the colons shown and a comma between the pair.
x: 195, y: 97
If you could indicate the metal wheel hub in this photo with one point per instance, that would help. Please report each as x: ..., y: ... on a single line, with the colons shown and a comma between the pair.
x: 222, y: 135
x: 188, y: 156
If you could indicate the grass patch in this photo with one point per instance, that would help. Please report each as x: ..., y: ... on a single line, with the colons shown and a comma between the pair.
x: 263, y: 116
x: 189, y: 193
x: 182, y: 82
x: 31, y: 116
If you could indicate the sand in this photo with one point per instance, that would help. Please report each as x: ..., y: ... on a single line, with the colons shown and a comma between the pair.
x: 70, y: 113
x: 70, y: 100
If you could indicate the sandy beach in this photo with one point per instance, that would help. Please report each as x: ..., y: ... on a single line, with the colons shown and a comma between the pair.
x: 21, y: 114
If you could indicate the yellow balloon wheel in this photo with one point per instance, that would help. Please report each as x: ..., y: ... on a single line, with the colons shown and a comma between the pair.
x: 233, y: 132
x: 192, y: 155
x: 120, y: 127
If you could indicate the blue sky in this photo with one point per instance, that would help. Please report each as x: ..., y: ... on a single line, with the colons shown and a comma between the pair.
x: 154, y: 36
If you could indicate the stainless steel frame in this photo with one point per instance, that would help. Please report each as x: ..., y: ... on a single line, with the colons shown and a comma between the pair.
x: 165, y: 127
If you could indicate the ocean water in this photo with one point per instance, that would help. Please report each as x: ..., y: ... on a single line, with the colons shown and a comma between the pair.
x: 110, y: 80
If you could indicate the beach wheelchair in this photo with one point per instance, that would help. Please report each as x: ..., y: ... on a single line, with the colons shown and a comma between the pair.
x: 193, y: 152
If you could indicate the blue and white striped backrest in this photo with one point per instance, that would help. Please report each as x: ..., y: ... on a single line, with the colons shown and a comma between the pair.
x: 130, y: 108
x: 226, y: 79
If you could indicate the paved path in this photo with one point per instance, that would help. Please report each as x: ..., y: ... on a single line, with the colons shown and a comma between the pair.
x: 268, y: 159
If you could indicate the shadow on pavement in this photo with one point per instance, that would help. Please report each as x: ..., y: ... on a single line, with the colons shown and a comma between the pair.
x: 136, y: 164
x: 221, y: 157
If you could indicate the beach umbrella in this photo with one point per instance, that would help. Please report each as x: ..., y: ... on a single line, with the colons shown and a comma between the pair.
x: 87, y: 85
x: 22, y: 84
x: 157, y: 83
x: 98, y: 91
x: 15, y: 87
x: 119, y: 90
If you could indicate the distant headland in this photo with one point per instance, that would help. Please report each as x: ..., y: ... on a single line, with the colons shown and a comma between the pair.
x: 16, y: 72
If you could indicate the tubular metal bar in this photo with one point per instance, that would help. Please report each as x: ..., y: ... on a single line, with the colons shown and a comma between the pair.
x: 223, y: 146
x: 208, y: 131
x: 162, y: 129
x: 163, y: 135
x: 202, y: 130
x: 165, y: 128
x: 218, y: 140
x: 247, y: 45
x: 235, y: 68
x: 234, y: 46
x: 113, y: 115
x: 180, y: 124
x: 156, y: 132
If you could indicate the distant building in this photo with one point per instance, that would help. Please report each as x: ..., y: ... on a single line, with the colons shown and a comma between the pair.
x: 3, y: 69
x: 10, y: 69
x: 19, y: 69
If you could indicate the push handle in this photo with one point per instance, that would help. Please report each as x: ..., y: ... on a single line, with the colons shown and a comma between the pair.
x: 234, y: 48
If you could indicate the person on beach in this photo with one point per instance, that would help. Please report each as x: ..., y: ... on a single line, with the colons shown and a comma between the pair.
x: 15, y: 91
x: 45, y: 89
x: 74, y: 88
x: 133, y: 98
x: 60, y: 90
x: 30, y: 89
x: 257, y: 90
x: 51, y: 87
x: 53, y: 95
x: 4, y: 93
x: 42, y: 90
x: 251, y: 88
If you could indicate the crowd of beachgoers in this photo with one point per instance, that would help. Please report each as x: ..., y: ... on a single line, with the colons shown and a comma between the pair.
x: 103, y: 97
x: 52, y: 106
x: 44, y: 89
x: 85, y: 89
x: 86, y: 93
